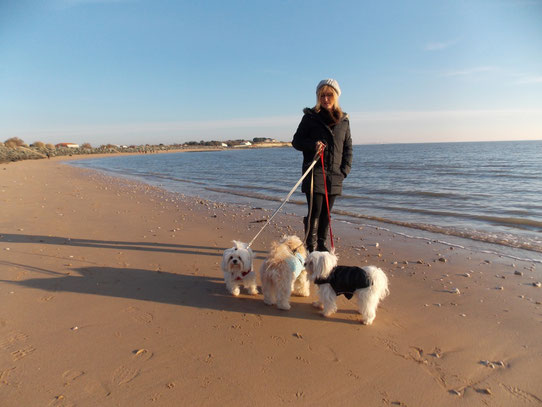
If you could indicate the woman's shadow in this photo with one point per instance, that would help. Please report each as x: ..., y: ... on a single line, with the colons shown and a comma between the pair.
x: 191, y: 290
x: 195, y: 291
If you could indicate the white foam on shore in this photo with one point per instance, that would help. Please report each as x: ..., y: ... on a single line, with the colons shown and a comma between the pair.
x: 491, y: 249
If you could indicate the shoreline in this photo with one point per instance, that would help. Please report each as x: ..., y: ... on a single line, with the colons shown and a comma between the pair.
x: 112, y: 294
x: 484, y: 242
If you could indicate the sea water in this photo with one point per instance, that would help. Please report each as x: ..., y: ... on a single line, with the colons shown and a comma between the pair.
x: 484, y: 192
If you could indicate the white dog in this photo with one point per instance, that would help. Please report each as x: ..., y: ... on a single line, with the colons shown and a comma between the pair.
x: 283, y: 272
x: 237, y: 268
x: 369, y: 284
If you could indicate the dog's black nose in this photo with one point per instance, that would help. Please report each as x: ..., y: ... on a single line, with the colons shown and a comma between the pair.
x: 234, y: 261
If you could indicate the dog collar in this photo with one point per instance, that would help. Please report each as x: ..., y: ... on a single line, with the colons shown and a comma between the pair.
x: 244, y: 274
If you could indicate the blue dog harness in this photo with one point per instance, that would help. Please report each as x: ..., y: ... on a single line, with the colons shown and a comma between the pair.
x: 296, y: 264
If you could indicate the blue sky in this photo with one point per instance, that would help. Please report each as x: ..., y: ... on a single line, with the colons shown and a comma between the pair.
x: 164, y: 71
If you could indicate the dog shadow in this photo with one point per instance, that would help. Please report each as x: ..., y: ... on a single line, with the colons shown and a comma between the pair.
x: 191, y: 290
x: 198, y: 291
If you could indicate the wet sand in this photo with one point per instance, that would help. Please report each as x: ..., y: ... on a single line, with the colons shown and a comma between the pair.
x: 111, y: 294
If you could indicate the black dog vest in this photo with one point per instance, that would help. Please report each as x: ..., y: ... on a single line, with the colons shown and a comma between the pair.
x: 346, y: 280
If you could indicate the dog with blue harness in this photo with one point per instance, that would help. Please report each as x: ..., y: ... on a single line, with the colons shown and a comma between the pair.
x: 283, y: 272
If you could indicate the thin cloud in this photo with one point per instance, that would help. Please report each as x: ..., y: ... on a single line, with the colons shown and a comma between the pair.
x: 438, y: 46
x: 432, y: 115
x: 469, y: 72
x: 529, y: 79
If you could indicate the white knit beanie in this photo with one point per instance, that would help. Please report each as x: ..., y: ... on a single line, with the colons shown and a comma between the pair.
x: 329, y: 82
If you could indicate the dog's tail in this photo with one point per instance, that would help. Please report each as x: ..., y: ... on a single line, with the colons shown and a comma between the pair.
x: 379, y: 282
x: 369, y: 298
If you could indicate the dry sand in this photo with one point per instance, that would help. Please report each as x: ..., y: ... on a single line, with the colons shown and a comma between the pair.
x: 111, y: 294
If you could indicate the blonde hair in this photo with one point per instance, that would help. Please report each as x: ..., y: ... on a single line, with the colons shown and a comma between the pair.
x: 337, y: 111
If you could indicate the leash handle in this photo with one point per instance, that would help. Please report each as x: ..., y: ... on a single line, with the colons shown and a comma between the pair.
x: 327, y: 201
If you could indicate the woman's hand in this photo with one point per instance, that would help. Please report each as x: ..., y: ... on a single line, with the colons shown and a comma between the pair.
x: 320, y: 146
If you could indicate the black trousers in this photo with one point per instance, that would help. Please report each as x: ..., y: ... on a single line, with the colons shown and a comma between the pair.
x: 319, y: 206
x: 319, y: 219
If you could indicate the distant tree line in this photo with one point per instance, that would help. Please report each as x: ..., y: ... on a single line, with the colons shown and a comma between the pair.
x: 14, y: 149
x: 231, y: 143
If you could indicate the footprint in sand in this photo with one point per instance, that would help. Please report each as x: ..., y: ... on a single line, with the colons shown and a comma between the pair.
x: 123, y: 375
x: 71, y: 375
x: 14, y: 343
x: 521, y: 395
x: 5, y: 377
x: 21, y: 353
x: 128, y: 372
x: 139, y: 316
x: 46, y: 298
x: 12, y: 339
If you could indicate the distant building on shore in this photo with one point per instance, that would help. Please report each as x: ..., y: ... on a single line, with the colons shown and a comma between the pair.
x: 264, y: 140
x: 67, y: 145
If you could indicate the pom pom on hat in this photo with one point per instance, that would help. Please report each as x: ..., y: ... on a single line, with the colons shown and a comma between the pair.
x: 329, y: 82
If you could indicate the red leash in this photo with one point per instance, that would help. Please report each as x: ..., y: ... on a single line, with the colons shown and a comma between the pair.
x: 327, y: 201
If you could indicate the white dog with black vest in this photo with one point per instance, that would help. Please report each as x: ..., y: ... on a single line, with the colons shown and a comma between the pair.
x: 368, y: 284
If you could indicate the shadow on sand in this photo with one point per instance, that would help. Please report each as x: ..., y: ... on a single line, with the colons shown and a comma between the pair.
x: 204, y: 292
x: 110, y: 244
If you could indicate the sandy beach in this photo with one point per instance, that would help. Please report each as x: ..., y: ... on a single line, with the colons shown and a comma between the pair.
x: 111, y: 294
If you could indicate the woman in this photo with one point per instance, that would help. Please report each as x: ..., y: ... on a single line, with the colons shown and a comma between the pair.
x: 324, y: 126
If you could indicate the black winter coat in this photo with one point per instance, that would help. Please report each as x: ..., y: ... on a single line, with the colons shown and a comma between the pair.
x: 337, y: 154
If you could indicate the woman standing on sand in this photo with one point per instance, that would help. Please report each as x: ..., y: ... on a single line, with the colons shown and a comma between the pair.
x: 324, y: 126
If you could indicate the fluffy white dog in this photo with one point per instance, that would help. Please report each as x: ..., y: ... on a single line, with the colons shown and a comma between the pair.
x: 368, y: 284
x: 283, y: 272
x: 237, y: 268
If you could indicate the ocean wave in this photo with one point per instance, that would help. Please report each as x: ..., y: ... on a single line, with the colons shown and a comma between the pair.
x: 412, y: 193
x: 508, y: 240
x: 520, y: 223
x: 253, y: 195
x: 493, y: 238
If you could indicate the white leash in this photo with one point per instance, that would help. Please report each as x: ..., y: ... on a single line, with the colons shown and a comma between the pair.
x: 285, y: 200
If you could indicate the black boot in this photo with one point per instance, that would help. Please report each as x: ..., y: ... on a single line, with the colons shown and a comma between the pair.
x: 311, y: 228
x: 323, y: 228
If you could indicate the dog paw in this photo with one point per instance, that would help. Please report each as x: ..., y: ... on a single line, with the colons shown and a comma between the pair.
x: 253, y: 290
x: 268, y: 302
x: 366, y: 322
x: 318, y: 305
x: 284, y: 307
x: 235, y: 292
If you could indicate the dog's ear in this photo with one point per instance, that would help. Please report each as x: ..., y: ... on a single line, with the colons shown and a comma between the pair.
x: 328, y: 261
x: 239, y: 245
x: 225, y: 258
